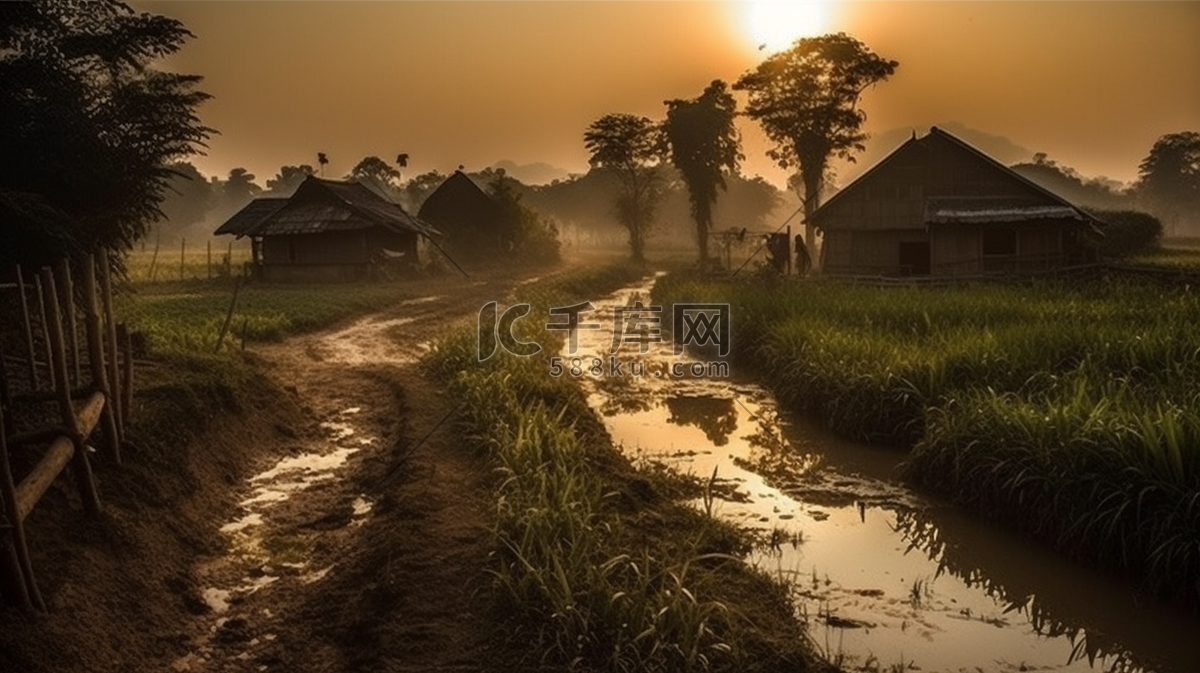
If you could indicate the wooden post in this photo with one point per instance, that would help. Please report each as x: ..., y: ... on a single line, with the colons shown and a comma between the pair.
x: 790, y: 251
x: 18, y: 568
x: 67, y: 301
x: 95, y: 342
x: 126, y: 405
x: 208, y: 248
x: 182, y: 253
x: 110, y: 322
x: 33, y: 375
x: 81, y: 467
x: 154, y: 257
x: 38, y: 285
x: 237, y: 286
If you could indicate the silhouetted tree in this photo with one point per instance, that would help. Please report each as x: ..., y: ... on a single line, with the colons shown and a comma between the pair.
x: 288, y: 179
x: 377, y: 172
x: 1069, y: 184
x: 240, y: 187
x: 421, y: 186
x: 89, y: 127
x: 1169, y: 178
x: 188, y: 199
x: 321, y: 161
x: 534, y: 239
x: 704, y: 146
x: 806, y: 99
x: 629, y: 146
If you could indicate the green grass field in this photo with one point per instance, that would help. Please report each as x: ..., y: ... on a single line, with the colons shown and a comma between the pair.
x: 184, y: 261
x: 1071, y: 412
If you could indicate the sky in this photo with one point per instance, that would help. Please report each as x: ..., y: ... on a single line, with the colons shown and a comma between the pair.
x: 471, y: 83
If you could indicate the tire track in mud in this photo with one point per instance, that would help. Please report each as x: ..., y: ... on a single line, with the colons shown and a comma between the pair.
x: 328, y: 567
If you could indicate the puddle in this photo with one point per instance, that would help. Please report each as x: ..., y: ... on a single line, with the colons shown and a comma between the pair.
x: 882, y: 575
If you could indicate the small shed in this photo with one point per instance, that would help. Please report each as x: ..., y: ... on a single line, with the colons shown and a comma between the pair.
x: 473, y: 222
x: 938, y: 206
x: 328, y: 230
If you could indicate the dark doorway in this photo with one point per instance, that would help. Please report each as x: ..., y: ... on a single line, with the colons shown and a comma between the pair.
x: 914, y: 258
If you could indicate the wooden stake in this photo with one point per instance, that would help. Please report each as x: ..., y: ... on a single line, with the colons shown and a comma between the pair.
x: 67, y: 301
x: 81, y: 467
x: 126, y: 405
x: 41, y: 297
x: 110, y: 322
x: 18, y: 568
x: 33, y: 374
x: 154, y: 257
x: 237, y: 286
x: 95, y: 342
x: 182, y: 253
x: 209, y: 264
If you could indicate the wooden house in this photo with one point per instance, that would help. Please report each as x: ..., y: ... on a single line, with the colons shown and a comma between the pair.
x: 327, y: 231
x: 474, y: 223
x: 937, y: 206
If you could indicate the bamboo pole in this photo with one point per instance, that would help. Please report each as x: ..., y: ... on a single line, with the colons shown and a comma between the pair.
x: 81, y: 467
x: 95, y: 342
x: 18, y: 566
x: 34, y: 485
x: 41, y: 297
x: 110, y: 322
x: 67, y: 300
x: 237, y: 286
x: 126, y: 405
x: 33, y: 375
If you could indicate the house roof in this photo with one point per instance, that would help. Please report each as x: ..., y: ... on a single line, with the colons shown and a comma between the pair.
x: 321, y: 205
x: 976, y: 210
x: 245, y: 220
x: 458, y: 201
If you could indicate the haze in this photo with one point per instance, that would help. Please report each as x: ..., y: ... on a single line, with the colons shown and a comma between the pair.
x: 1092, y: 84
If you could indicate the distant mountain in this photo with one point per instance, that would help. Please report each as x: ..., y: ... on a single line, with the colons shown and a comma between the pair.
x: 536, y: 173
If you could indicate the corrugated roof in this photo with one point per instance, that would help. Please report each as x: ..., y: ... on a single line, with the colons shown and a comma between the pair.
x: 245, y: 220
x: 321, y: 205
x: 966, y: 210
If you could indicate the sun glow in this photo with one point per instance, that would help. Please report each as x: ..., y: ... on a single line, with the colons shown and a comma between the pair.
x: 774, y: 25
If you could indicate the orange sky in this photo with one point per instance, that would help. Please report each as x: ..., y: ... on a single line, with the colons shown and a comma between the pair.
x: 1092, y: 84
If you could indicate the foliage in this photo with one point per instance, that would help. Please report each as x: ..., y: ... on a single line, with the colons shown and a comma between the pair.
x: 1127, y: 233
x: 1169, y: 179
x: 1070, y: 185
x: 534, y: 239
x: 375, y: 171
x: 288, y: 179
x: 1070, y: 412
x: 806, y: 99
x: 419, y: 187
x: 629, y: 146
x: 704, y: 145
x: 91, y: 127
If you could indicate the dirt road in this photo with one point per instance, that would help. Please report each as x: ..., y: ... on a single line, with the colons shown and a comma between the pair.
x: 361, y: 542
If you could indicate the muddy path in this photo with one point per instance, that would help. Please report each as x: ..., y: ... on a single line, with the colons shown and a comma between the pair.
x: 360, y: 542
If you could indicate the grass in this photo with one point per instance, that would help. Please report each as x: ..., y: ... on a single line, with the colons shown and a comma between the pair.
x: 594, y: 568
x: 187, y: 317
x: 1072, y: 413
x: 197, y: 261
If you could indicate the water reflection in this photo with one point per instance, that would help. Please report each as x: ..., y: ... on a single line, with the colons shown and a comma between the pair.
x: 715, y: 416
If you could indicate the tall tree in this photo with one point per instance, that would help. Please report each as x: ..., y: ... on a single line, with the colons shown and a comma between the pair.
x: 629, y: 146
x: 1169, y: 178
x: 240, y: 187
x: 89, y: 126
x: 288, y: 179
x: 806, y: 99
x: 704, y: 146
x: 188, y: 198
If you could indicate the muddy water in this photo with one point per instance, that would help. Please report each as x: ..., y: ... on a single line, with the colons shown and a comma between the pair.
x: 882, y: 575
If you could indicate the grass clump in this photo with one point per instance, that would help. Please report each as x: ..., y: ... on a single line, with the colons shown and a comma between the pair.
x: 594, y: 568
x: 1069, y: 411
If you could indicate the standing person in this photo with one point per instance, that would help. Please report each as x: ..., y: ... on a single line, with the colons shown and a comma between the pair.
x: 803, y: 261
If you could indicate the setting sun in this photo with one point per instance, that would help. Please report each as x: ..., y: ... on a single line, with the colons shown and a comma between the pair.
x: 775, y: 25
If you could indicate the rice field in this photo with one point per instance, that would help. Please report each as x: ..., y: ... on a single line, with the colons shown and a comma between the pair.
x: 183, y: 260
x: 1070, y: 412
